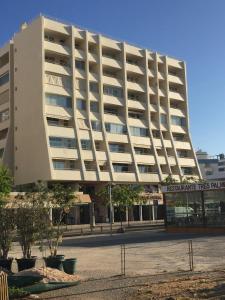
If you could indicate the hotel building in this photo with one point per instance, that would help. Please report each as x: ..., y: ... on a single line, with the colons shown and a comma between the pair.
x: 81, y: 108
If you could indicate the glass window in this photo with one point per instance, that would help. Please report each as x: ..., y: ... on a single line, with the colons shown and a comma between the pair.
x: 115, y: 128
x: 4, y: 115
x: 138, y: 131
x: 121, y: 168
x: 58, y: 100
x: 79, y: 64
x: 119, y: 148
x: 4, y: 78
x: 63, y: 164
x: 93, y: 87
x: 163, y: 119
x: 186, y: 170
x: 113, y: 91
x: 86, y: 144
x: 142, y: 151
x: 60, y: 142
x: 178, y: 136
x: 144, y: 168
x: 96, y: 125
x: 81, y: 104
x: 175, y: 120
x: 94, y: 106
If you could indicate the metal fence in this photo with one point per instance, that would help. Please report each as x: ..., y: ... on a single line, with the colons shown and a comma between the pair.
x: 4, y: 295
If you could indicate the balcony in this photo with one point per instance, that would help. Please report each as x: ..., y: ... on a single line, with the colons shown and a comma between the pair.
x: 93, y: 77
x: 135, y: 86
x: 176, y: 96
x: 79, y: 54
x: 63, y: 153
x: 54, y: 89
x: 92, y: 57
x: 119, y: 138
x: 97, y: 135
x: 177, y: 112
x: 167, y: 143
x: 61, y: 131
x: 175, y: 79
x: 107, y: 61
x: 157, y: 142
x: 136, y: 104
x: 124, y: 177
x: 134, y: 69
x: 149, y: 178
x: 182, y: 145
x: 101, y: 156
x: 153, y: 107
x: 71, y: 175
x: 56, y: 68
x: 90, y: 175
x: 121, y: 157
x: 56, y: 26
x: 111, y: 81
x: 151, y: 73
x: 4, y: 87
x: 104, y: 176
x: 178, y: 129
x: 145, y: 159
x: 172, y: 160
x: 58, y: 111
x: 162, y: 160
x: 140, y: 140
x: 161, y: 75
x: 186, y: 162
x: 112, y: 100
x: 109, y: 43
x: 174, y: 63
x: 87, y: 154
x: 57, y: 48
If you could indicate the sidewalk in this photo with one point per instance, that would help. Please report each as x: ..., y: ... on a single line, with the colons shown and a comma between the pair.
x: 102, y: 228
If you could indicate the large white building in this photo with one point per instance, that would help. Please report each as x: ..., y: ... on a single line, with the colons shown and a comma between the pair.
x: 212, y: 167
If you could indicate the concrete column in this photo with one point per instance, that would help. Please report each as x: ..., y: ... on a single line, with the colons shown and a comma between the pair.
x: 154, y: 212
x: 77, y: 214
x: 92, y: 214
x: 140, y: 213
x: 127, y: 214
x: 112, y: 214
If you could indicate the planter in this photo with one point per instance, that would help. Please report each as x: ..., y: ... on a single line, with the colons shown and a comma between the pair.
x: 6, y: 263
x: 55, y: 262
x: 69, y: 265
x: 26, y: 263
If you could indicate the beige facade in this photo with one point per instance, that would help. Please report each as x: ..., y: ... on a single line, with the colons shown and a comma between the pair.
x: 77, y: 106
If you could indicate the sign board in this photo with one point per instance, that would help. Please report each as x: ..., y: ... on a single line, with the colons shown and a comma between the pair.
x: 194, y: 187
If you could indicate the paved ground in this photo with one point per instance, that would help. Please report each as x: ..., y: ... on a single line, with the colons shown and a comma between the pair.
x: 147, y: 252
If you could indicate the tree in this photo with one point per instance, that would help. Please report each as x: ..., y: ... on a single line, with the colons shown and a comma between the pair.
x: 169, y: 180
x: 7, y: 226
x: 62, y: 198
x: 123, y: 196
x: 31, y: 217
x: 5, y: 183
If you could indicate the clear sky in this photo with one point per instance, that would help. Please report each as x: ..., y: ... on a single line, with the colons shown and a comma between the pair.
x: 193, y: 30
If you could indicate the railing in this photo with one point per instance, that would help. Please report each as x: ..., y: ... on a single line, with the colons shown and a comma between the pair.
x: 4, y: 294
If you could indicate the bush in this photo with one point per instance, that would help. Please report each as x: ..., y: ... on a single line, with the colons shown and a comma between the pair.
x: 16, y: 293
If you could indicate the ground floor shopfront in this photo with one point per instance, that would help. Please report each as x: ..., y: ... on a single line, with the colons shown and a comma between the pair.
x: 195, y: 207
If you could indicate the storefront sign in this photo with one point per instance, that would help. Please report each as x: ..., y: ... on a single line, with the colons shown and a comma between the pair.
x: 192, y: 187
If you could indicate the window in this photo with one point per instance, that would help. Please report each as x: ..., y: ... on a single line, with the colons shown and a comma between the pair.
x: 115, y: 128
x: 59, y: 122
x: 4, y: 59
x: 133, y: 96
x: 111, y: 111
x: 178, y: 137
x: 81, y: 104
x: 4, y: 115
x: 182, y: 153
x: 94, y: 106
x: 3, y: 133
x: 138, y: 131
x: 221, y: 169
x: 135, y: 115
x: 163, y: 119
x: 221, y: 163
x: 60, y: 142
x: 58, y: 100
x: 79, y: 64
x: 96, y: 125
x: 175, y: 120
x: 4, y: 79
x: 144, y: 168
x: 208, y: 173
x: 132, y: 61
x: 81, y: 84
x: 121, y: 168
x: 186, y: 171
x: 113, y: 91
x: 142, y: 151
x: 119, y: 148
x: 94, y: 87
x: 50, y: 59
x: 63, y: 164
x: 49, y: 38
x: 156, y: 134
x: 86, y: 144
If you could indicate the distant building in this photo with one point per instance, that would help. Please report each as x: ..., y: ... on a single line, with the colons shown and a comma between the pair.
x: 212, y: 167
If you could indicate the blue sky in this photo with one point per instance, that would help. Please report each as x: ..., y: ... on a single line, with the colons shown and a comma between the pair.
x: 192, y: 30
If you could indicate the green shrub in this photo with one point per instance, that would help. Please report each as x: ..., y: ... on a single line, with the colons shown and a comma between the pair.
x: 16, y: 293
